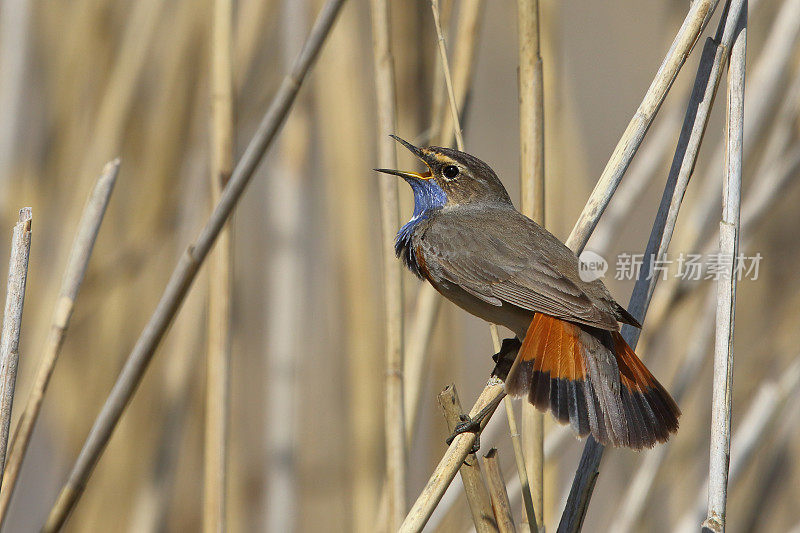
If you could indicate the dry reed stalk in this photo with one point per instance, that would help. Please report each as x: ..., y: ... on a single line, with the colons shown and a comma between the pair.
x: 765, y: 85
x: 531, y: 140
x: 217, y: 397
x: 726, y: 286
x: 522, y: 473
x: 497, y: 490
x: 463, y: 65
x: 477, y: 496
x: 696, y: 19
x: 78, y: 261
x: 186, y: 271
x: 420, y: 330
x: 12, y: 321
x: 448, y: 80
x: 473, y: 482
x: 773, y: 180
x: 769, y: 403
x: 394, y: 418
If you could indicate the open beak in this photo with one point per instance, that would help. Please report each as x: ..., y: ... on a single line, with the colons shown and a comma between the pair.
x: 409, y: 175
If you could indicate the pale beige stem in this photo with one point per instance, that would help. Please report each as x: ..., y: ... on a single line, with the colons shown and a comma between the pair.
x: 722, y: 384
x: 215, y: 447
x: 498, y: 493
x: 12, y: 321
x: 531, y: 143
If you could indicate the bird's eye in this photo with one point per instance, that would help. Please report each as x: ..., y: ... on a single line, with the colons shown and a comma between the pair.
x: 450, y: 171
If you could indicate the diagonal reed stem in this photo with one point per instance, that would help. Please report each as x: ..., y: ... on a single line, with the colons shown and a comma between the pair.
x: 186, y: 270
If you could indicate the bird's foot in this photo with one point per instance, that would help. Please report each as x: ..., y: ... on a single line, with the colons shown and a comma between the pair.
x: 505, y: 357
x: 468, y: 425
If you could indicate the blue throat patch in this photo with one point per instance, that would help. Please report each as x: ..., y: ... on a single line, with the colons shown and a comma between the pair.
x: 428, y: 198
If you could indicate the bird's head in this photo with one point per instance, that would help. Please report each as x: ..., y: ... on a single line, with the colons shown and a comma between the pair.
x: 452, y: 179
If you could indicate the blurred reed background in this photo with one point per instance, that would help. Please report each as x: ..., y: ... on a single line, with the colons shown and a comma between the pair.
x: 86, y: 81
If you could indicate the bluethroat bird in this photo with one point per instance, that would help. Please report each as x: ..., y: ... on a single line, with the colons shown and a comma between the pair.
x: 466, y: 238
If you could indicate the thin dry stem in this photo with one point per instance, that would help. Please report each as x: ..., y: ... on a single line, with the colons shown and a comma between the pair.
x: 186, y: 270
x: 12, y: 321
x: 215, y: 448
x: 531, y: 137
x: 726, y: 286
x: 448, y: 80
x: 497, y: 491
x: 78, y: 261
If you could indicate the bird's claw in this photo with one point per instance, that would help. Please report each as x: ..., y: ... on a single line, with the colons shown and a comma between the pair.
x: 467, y: 425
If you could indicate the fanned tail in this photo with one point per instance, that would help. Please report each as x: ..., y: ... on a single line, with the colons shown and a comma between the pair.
x: 591, y: 379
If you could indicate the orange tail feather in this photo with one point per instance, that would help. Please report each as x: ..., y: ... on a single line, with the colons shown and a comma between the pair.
x: 592, y: 379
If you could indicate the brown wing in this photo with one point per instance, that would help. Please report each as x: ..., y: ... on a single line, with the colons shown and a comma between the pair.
x: 499, y: 255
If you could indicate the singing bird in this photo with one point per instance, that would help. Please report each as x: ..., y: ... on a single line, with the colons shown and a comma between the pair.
x: 466, y: 238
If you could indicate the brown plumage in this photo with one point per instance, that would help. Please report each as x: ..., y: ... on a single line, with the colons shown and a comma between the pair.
x: 467, y: 239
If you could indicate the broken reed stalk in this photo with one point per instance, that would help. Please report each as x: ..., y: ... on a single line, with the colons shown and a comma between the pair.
x: 695, y: 21
x: 695, y: 122
x: 217, y: 396
x: 394, y: 418
x: 498, y: 493
x: 522, y: 473
x: 531, y: 144
x: 477, y: 496
x: 451, y: 461
x: 726, y: 286
x: 12, y: 320
x: 78, y: 262
x: 186, y: 270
